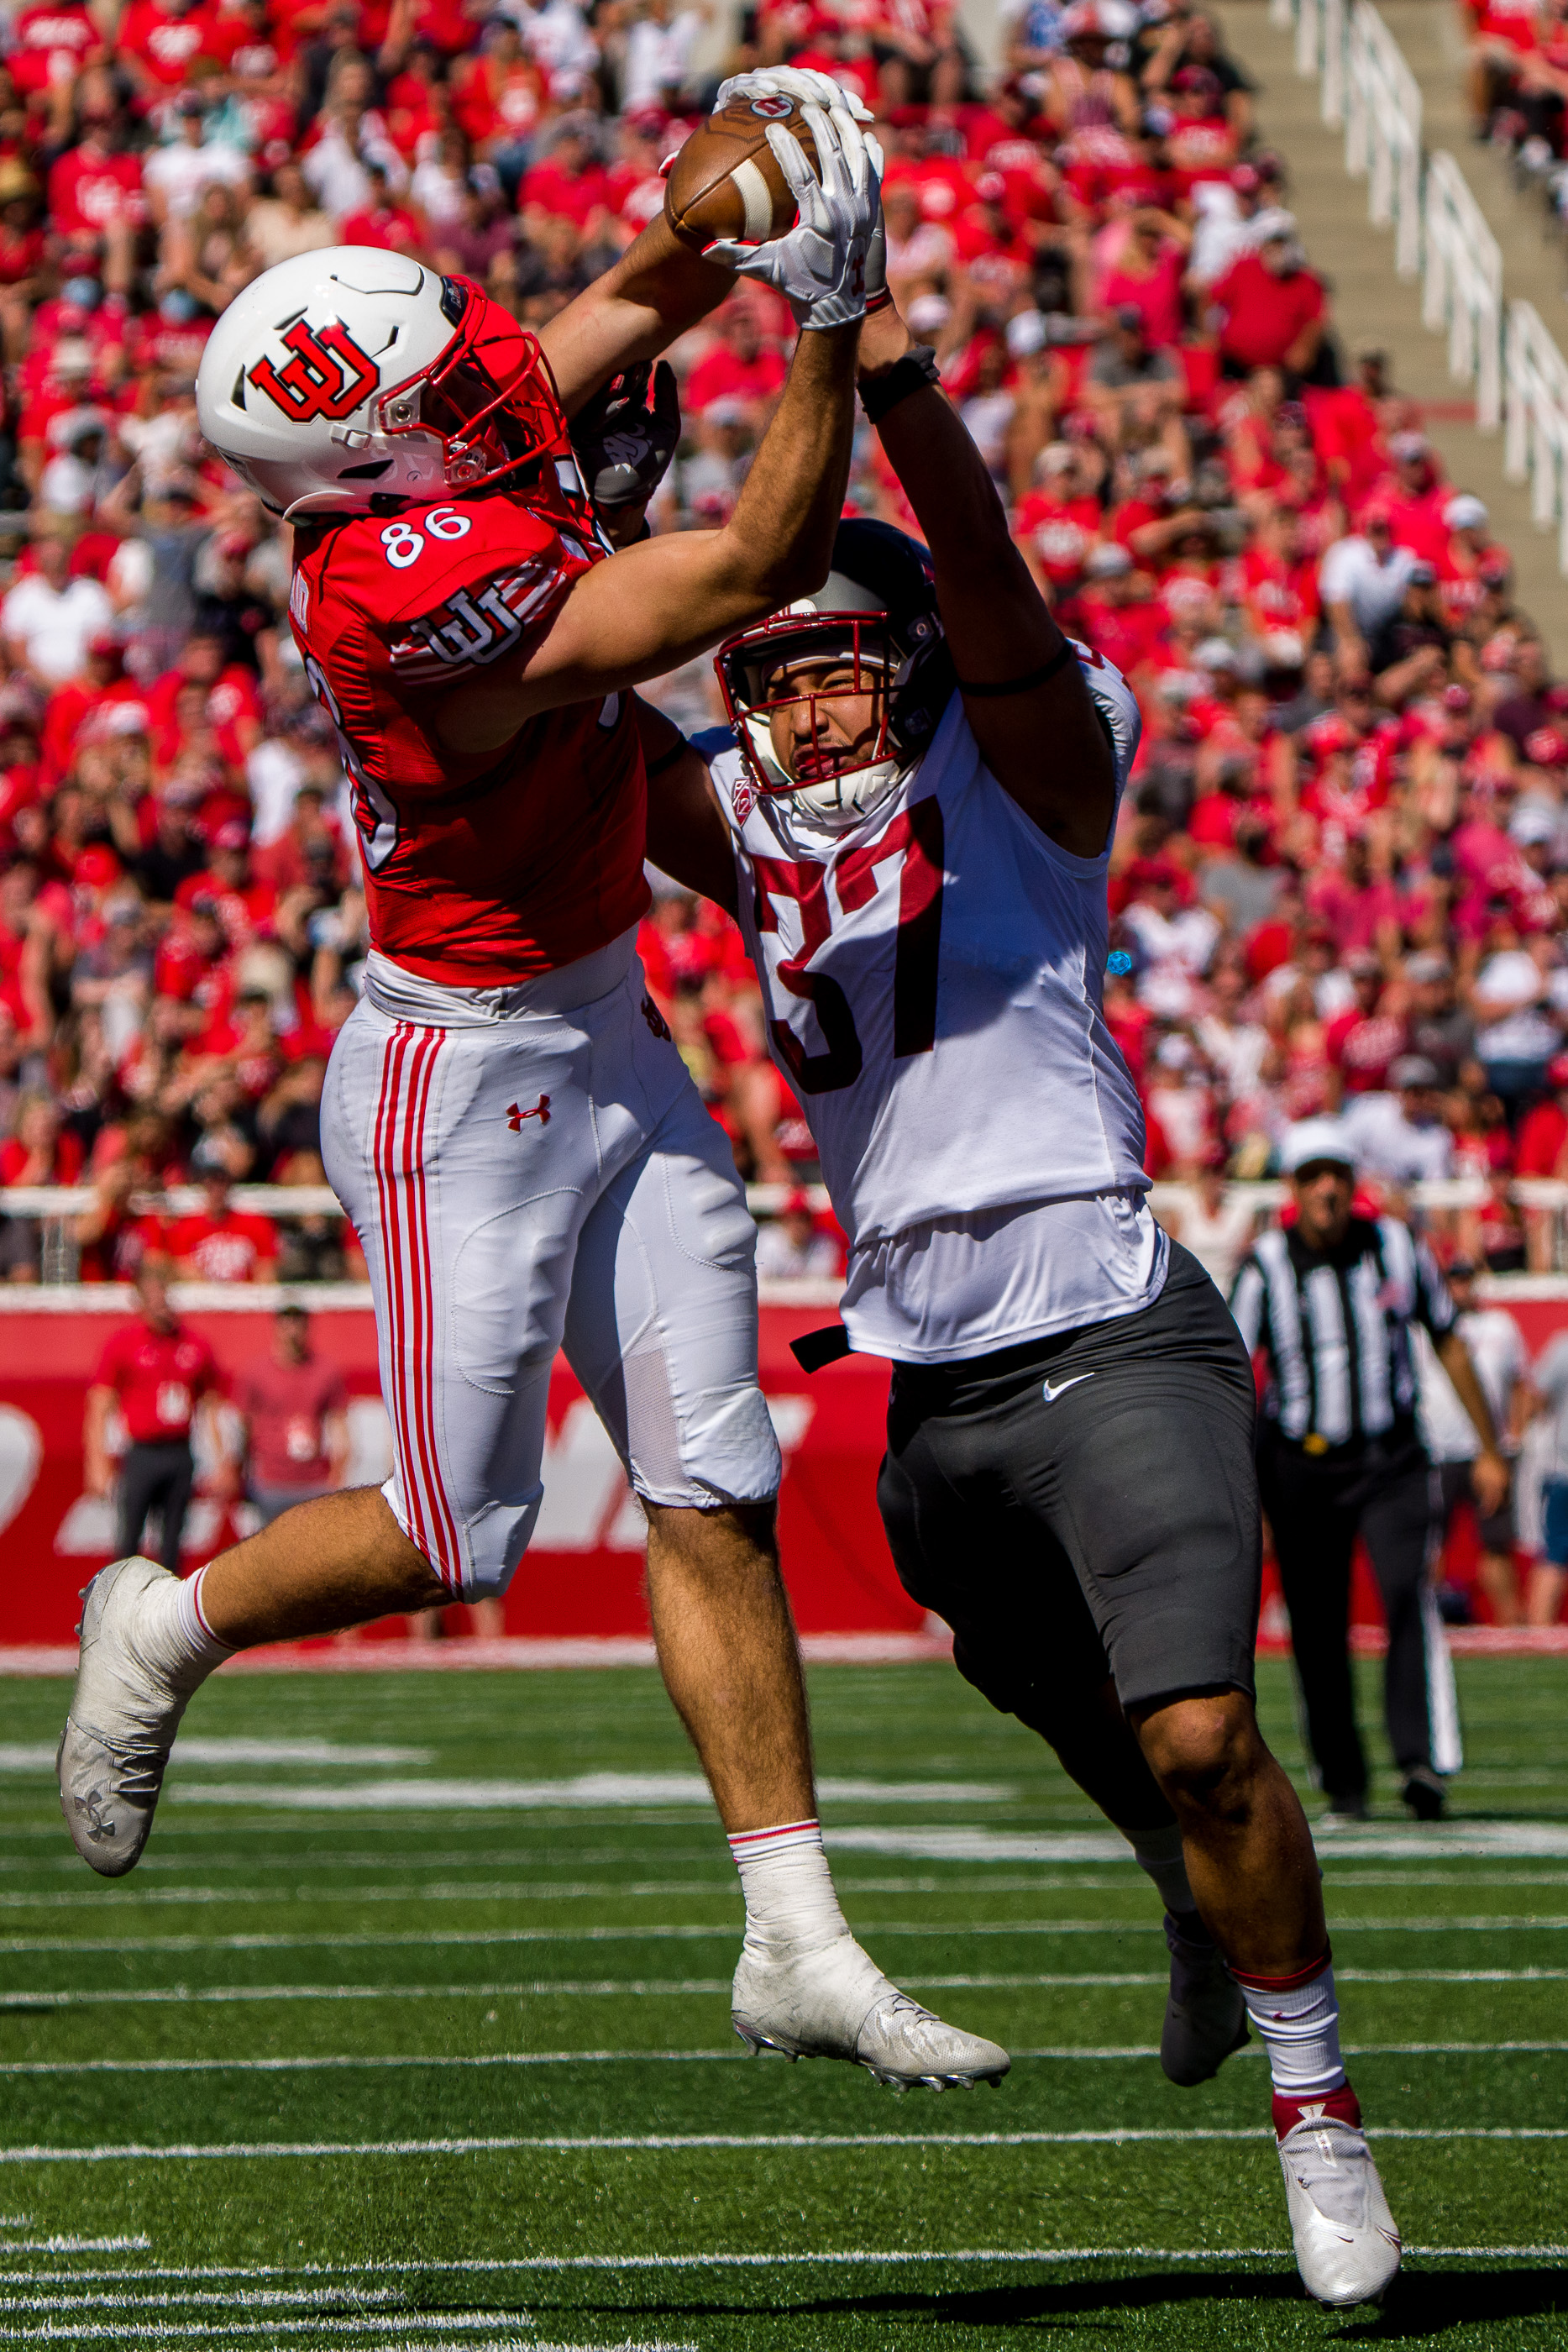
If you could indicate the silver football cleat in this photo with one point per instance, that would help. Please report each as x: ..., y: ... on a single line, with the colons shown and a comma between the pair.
x: 1206, y: 2016
x: 124, y: 1713
x: 1347, y: 2247
x: 836, y: 2003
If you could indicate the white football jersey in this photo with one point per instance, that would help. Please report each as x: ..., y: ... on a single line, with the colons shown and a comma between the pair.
x: 932, y: 981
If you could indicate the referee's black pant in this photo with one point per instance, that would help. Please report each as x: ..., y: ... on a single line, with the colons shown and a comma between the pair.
x: 1380, y: 1489
x: 154, y: 1478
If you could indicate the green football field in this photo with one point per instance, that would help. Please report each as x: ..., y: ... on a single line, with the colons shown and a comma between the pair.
x: 413, y: 2031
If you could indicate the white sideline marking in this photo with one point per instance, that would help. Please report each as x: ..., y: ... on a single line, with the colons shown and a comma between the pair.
x: 487, y: 2264
x: 1477, y: 1841
x: 647, y: 1987
x: 734, y: 2056
x: 604, y: 1789
x: 665, y: 1932
x: 66, y: 2245
x: 422, y: 2327
x: 39, y: 1755
x: 632, y: 2143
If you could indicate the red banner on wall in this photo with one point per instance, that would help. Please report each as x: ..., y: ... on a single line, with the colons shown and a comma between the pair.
x: 582, y: 1574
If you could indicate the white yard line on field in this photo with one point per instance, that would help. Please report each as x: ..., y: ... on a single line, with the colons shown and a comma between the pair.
x: 640, y: 2143
x: 894, y: 2257
x: 352, y: 2063
x: 642, y: 1988
x: 611, y: 1790
x: 423, y: 2328
x: 661, y: 1931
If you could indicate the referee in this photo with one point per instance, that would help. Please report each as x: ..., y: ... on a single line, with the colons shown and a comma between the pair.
x: 1330, y: 1304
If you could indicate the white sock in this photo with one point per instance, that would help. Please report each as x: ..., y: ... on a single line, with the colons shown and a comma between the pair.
x: 790, y: 1907
x: 175, y: 1636
x: 1159, y: 1854
x: 1297, y: 2021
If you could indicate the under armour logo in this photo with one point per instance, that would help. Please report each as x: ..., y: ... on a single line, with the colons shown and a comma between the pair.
x: 540, y: 1111
x: 329, y: 375
x: 98, y: 1826
x: 655, y: 1019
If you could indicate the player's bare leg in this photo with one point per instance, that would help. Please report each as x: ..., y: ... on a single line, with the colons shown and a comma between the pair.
x: 1254, y: 1874
x: 1206, y: 2016
x: 730, y: 1661
x: 727, y: 1653
x: 149, y: 1640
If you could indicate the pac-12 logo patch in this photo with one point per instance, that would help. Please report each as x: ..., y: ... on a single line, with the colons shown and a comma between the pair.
x: 773, y: 108
x: 328, y: 376
x: 742, y: 800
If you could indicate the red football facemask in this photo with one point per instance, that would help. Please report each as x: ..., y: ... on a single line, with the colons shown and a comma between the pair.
x: 489, y: 399
x: 759, y: 676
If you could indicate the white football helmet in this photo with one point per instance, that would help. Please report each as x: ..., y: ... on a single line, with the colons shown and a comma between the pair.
x: 872, y: 630
x: 355, y: 382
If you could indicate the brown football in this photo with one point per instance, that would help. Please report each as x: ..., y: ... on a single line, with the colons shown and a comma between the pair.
x: 725, y: 180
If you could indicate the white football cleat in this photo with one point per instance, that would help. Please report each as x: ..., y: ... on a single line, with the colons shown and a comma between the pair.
x: 835, y: 2002
x: 124, y: 1713
x: 1347, y: 2247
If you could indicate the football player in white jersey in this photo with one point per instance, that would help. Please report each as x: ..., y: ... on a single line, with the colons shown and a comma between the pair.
x: 912, y: 823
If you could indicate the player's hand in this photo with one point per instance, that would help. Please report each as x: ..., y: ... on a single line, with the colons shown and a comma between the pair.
x: 624, y: 440
x: 802, y: 83
x: 1489, y: 1482
x: 820, y: 265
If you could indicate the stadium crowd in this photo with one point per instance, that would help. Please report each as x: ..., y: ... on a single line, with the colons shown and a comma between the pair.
x: 1342, y: 864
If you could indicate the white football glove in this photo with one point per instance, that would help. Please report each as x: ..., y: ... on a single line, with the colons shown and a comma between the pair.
x: 820, y: 265
x: 802, y: 83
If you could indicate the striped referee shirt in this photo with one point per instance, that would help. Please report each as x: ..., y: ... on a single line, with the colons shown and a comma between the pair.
x: 1335, y: 1328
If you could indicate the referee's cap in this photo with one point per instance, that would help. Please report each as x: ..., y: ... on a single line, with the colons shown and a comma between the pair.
x: 1316, y: 1142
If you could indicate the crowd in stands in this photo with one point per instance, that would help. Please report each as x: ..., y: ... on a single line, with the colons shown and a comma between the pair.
x: 1518, y: 86
x: 1343, y: 861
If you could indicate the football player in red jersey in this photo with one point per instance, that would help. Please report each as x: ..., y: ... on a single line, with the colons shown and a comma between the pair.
x: 506, y: 1119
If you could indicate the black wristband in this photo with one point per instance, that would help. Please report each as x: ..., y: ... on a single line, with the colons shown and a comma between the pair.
x: 1025, y: 685
x: 912, y: 373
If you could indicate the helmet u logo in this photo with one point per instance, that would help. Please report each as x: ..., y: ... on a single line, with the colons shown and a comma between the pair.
x: 329, y: 375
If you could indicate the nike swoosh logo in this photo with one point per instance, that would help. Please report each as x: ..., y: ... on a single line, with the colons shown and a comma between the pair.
x: 1062, y: 1386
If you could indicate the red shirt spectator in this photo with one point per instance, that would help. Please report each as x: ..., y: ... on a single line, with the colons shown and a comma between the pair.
x: 293, y: 1403
x: 41, y: 1151
x: 51, y: 44
x: 223, y: 1243
x: 166, y: 38
x: 92, y: 189
x: 1267, y: 310
x: 158, y: 1376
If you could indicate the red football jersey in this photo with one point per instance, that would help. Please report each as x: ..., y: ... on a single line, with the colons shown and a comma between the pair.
x: 486, y: 869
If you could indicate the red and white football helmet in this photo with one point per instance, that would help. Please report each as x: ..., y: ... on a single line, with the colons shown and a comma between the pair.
x: 355, y: 382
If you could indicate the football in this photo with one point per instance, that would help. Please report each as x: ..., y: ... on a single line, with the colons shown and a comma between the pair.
x: 726, y: 181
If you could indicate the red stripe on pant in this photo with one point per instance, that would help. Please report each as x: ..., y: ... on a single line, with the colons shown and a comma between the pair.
x: 406, y: 1066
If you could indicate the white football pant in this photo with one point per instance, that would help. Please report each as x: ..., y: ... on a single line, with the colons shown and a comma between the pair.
x: 530, y: 1167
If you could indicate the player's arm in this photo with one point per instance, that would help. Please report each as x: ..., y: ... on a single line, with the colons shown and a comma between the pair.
x: 98, y: 1468
x: 656, y: 290
x: 1491, y: 1471
x: 687, y: 837
x: 654, y: 605
x: 1024, y: 696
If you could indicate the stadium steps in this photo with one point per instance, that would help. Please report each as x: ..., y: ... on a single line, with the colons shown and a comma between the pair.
x: 1371, y: 305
